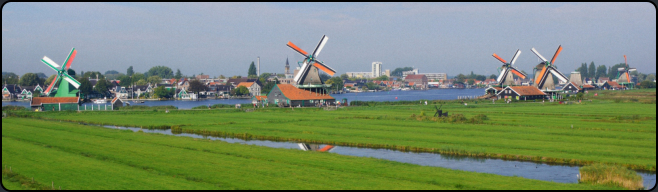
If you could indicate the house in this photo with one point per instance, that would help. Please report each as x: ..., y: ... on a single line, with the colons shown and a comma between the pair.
x: 612, y: 85
x: 116, y: 103
x: 140, y: 89
x: 603, y: 79
x: 588, y: 87
x: 285, y: 95
x: 11, y: 91
x: 419, y: 81
x: 220, y: 90
x: 489, y: 81
x: 259, y: 100
x: 184, y: 84
x: 182, y: 94
x: 521, y: 93
x: 55, y: 103
x: 25, y: 94
x: 493, y: 90
x: 254, y: 88
x: 571, y: 87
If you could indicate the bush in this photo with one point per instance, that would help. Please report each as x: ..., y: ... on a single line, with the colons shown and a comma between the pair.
x: 479, y: 118
x: 612, y: 175
x: 14, y: 108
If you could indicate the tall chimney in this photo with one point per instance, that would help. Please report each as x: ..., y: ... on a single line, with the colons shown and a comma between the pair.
x: 258, y: 67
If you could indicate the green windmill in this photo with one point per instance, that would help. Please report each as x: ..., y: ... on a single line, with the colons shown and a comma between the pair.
x: 66, y: 88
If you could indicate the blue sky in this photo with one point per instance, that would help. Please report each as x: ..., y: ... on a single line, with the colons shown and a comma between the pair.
x: 224, y: 38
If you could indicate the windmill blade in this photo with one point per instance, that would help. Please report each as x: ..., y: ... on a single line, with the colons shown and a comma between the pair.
x: 516, y: 55
x: 628, y: 77
x: 621, y: 69
x: 301, y: 71
x: 518, y: 73
x: 559, y: 75
x: 69, y: 59
x: 542, y: 76
x: 318, y: 48
x: 499, y: 59
x: 50, y: 87
x: 559, y: 49
x: 538, y: 55
x: 71, y: 80
x: 324, y: 68
x: 502, y: 75
x: 50, y: 63
x: 297, y: 49
x: 632, y: 69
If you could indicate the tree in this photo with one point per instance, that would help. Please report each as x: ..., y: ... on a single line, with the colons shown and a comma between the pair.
x: 85, y: 87
x: 591, y: 71
x: 614, y: 70
x: 102, y: 86
x: 154, y: 80
x: 268, y: 87
x: 398, y: 71
x: 252, y: 69
x: 647, y: 84
x: 601, y: 71
x: 471, y: 81
x: 650, y: 77
x: 130, y: 71
x: 161, y: 92
x: 344, y: 76
x: 161, y: 71
x: 583, y: 70
x: 49, y: 80
x: 29, y: 79
x: 93, y: 75
x: 9, y: 78
x: 197, y: 86
x: 481, y: 77
x: 222, y: 77
x: 493, y: 76
x: 41, y: 75
x: 111, y: 72
x: 372, y: 86
x: 138, y: 76
x: 124, y: 80
x: 382, y: 78
x: 460, y: 79
x: 336, y: 83
x: 36, y: 93
x: 141, y: 82
x: 241, y: 90
x: 178, y: 74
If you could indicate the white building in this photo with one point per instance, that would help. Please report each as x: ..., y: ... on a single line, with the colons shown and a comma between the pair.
x: 359, y: 74
x: 438, y: 76
x: 412, y: 72
x: 376, y: 69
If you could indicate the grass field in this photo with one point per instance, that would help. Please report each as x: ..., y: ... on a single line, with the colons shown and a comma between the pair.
x: 87, y: 157
x: 604, y: 130
x: 614, y: 128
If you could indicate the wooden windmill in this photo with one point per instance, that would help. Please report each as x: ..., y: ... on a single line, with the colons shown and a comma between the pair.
x: 505, y: 77
x: 624, y: 76
x: 544, y: 79
x: 66, y: 88
x: 309, y: 76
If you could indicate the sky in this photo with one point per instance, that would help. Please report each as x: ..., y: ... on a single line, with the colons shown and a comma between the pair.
x: 224, y: 38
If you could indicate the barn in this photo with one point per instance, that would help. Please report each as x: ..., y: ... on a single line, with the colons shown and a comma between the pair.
x: 288, y: 95
x: 55, y: 103
x: 521, y: 93
x: 571, y: 87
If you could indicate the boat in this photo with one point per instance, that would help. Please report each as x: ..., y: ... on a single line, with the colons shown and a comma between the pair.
x: 100, y: 101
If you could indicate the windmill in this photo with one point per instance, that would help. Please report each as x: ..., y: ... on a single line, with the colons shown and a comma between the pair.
x: 439, y: 112
x: 308, y: 74
x: 68, y: 87
x: 623, y: 75
x: 315, y: 147
x: 544, y: 80
x: 505, y: 77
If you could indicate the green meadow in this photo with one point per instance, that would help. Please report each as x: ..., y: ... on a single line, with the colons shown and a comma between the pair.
x: 74, y: 156
x: 614, y: 127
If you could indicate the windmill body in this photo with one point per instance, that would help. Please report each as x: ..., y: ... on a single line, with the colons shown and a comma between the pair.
x: 547, y: 69
x: 576, y: 78
x: 506, y: 78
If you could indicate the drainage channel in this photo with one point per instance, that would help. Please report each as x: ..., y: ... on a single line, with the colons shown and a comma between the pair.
x: 530, y: 170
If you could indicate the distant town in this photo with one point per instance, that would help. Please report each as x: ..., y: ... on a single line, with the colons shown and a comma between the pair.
x: 161, y: 82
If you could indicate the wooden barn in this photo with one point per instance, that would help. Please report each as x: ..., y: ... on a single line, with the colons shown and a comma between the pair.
x: 521, y: 93
x: 288, y: 95
x: 55, y: 103
x: 611, y: 85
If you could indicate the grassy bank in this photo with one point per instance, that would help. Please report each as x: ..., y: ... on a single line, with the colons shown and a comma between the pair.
x: 605, y: 131
x: 611, y: 176
x: 86, y: 157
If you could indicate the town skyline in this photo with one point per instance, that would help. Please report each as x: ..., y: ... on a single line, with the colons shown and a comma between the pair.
x: 224, y: 38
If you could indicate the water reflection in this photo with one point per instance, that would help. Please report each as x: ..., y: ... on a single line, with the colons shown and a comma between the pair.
x: 530, y: 170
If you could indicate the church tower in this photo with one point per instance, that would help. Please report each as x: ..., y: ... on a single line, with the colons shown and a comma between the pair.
x: 287, y: 67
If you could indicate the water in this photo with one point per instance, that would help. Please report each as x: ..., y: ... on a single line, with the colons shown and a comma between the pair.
x: 433, y: 94
x: 530, y: 170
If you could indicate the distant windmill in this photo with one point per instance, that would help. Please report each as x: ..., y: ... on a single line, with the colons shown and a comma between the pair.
x: 63, y: 89
x: 623, y: 74
x: 505, y: 77
x: 308, y: 74
x: 543, y: 80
